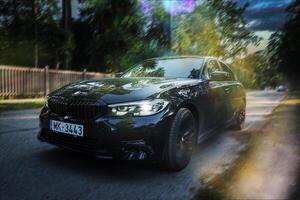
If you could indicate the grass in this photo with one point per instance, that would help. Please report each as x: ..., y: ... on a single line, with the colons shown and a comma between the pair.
x: 21, y: 105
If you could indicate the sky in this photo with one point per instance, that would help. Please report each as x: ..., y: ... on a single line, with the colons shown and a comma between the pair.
x: 264, y: 17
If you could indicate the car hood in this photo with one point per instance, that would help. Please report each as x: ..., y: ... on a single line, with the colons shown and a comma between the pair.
x: 115, y: 90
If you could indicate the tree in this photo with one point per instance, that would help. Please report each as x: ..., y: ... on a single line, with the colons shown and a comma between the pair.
x: 284, y: 46
x: 50, y: 34
x: 232, y: 27
x: 68, y: 35
x: 255, y: 71
x: 215, y: 27
x: 115, y: 34
x: 112, y: 27
x: 197, y: 34
x: 16, y: 21
x: 157, y: 27
x: 23, y: 25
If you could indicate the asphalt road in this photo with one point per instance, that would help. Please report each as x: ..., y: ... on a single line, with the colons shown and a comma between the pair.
x: 30, y: 169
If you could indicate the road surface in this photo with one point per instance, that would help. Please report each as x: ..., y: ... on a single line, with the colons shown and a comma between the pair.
x: 30, y: 169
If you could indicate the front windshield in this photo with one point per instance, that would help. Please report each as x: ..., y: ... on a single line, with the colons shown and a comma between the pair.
x: 170, y: 68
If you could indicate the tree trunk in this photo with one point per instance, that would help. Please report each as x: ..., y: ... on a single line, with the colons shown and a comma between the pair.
x: 66, y: 18
x: 36, y: 46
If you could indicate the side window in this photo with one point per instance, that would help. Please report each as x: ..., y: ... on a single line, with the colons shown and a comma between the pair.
x: 225, y: 68
x: 211, y: 67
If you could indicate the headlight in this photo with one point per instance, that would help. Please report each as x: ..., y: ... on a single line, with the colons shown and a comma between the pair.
x: 138, y: 108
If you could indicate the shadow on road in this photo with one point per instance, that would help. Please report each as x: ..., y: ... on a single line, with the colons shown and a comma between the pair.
x: 92, y: 166
x: 86, y: 165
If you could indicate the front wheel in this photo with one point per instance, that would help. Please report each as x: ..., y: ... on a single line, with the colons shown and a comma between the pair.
x: 240, y: 119
x: 181, y: 139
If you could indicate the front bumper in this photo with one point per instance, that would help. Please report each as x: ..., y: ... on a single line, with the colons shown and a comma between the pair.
x: 130, y: 138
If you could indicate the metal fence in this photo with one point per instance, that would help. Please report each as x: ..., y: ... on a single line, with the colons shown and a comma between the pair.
x: 26, y: 81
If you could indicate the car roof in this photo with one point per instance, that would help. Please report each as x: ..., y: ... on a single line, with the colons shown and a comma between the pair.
x: 181, y: 57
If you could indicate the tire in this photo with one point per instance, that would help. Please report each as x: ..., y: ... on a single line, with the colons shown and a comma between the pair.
x: 178, y: 149
x: 240, y: 120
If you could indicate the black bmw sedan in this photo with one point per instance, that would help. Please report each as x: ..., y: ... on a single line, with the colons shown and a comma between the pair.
x: 158, y: 110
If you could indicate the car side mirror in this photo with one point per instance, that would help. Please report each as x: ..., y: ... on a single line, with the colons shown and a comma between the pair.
x: 219, y: 76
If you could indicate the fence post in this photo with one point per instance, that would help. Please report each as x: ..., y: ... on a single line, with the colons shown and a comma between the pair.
x: 84, y: 74
x: 47, y: 89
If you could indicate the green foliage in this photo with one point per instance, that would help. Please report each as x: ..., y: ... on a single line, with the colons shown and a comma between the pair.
x: 214, y: 28
x: 17, y: 38
x: 116, y: 34
x: 255, y: 71
x: 196, y: 34
x: 235, y: 36
x: 284, y: 46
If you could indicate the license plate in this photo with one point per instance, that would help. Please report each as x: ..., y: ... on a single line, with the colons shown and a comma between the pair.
x: 66, y: 128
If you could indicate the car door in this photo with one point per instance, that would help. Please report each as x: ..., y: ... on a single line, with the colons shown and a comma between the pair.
x: 216, y: 101
x: 233, y: 93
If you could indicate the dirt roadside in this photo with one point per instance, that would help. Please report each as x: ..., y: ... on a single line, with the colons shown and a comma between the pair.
x: 270, y: 167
